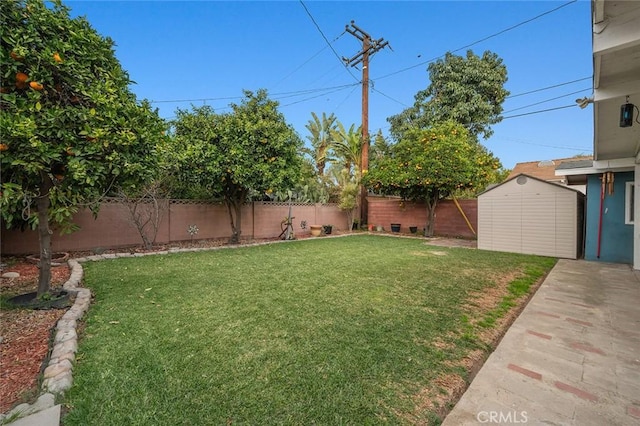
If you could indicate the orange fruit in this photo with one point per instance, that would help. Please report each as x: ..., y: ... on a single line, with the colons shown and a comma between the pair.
x: 21, y: 85
x: 15, y: 56
x: 36, y: 86
x: 4, y: 147
x: 56, y: 57
x: 21, y: 77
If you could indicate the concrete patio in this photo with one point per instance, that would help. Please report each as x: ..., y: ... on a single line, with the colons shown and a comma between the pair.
x: 571, y: 358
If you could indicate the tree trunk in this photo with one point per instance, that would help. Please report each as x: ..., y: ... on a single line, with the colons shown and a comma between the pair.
x: 234, y: 206
x: 431, y: 216
x: 44, y: 235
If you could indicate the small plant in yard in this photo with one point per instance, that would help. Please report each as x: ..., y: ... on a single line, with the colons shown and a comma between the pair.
x: 193, y: 231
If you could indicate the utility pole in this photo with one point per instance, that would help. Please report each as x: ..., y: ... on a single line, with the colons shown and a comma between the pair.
x: 369, y: 47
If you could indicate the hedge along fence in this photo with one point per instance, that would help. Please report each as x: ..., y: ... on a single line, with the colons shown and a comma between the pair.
x: 449, y: 221
x: 113, y: 227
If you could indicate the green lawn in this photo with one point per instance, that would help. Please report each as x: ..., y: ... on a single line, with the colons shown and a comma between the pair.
x: 321, y: 331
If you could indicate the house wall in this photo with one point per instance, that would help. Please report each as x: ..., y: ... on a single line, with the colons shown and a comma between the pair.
x: 617, y: 238
x: 534, y: 217
x: 636, y: 219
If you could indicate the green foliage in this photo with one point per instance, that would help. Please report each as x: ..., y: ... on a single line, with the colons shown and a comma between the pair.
x: 193, y: 154
x: 73, y: 122
x: 71, y: 128
x: 432, y: 164
x: 321, y: 138
x: 348, y: 200
x: 468, y: 90
x: 380, y: 147
x: 249, y: 151
x: 347, y: 144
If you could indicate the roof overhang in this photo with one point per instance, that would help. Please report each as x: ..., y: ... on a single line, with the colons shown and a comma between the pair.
x: 616, y: 79
x: 600, y: 166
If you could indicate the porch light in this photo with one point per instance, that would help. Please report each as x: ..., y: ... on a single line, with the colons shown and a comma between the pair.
x: 626, y: 114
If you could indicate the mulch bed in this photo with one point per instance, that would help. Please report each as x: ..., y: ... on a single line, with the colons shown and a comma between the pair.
x: 24, y: 333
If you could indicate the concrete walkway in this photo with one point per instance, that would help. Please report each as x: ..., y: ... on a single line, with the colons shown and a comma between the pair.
x: 571, y: 358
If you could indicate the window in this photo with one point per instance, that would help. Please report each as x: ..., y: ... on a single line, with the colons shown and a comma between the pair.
x: 629, y: 199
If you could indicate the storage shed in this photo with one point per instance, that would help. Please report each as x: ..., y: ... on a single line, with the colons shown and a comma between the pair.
x: 528, y: 215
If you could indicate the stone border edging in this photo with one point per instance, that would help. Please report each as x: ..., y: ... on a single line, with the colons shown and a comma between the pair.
x: 57, y: 375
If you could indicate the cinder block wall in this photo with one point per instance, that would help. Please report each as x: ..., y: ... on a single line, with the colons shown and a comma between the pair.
x: 449, y: 222
x: 113, y: 228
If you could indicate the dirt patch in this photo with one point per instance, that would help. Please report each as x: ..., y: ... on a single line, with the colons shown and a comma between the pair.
x: 482, y: 301
x: 429, y: 253
x: 451, y: 242
x: 448, y: 389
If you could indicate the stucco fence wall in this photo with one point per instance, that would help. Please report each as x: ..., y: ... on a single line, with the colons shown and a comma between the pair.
x: 449, y: 221
x: 113, y: 229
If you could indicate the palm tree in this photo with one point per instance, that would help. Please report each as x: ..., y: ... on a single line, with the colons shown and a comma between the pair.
x: 321, y: 139
x: 348, y: 147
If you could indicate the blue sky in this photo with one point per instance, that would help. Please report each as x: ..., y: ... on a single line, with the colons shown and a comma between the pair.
x: 191, y: 51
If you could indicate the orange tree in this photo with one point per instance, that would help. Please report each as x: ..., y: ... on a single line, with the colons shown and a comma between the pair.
x: 238, y: 155
x: 431, y: 164
x: 71, y: 128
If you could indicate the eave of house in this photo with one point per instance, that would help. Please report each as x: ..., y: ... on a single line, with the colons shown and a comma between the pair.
x: 600, y: 166
x: 616, y: 80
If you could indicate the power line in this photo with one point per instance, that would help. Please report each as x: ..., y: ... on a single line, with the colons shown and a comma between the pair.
x: 389, y: 97
x: 526, y: 113
x: 548, y: 87
x: 540, y: 111
x: 327, y: 40
x: 331, y: 88
x: 314, y: 97
x: 481, y: 40
x: 517, y: 25
x: 546, y: 146
x: 295, y: 92
x: 307, y: 61
x: 546, y: 100
x: 345, y: 99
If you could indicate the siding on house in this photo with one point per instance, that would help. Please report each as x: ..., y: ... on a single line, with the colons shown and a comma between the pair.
x: 617, y: 238
x: 534, y: 217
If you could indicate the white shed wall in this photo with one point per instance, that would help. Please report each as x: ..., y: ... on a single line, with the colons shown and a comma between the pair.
x: 533, y: 218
